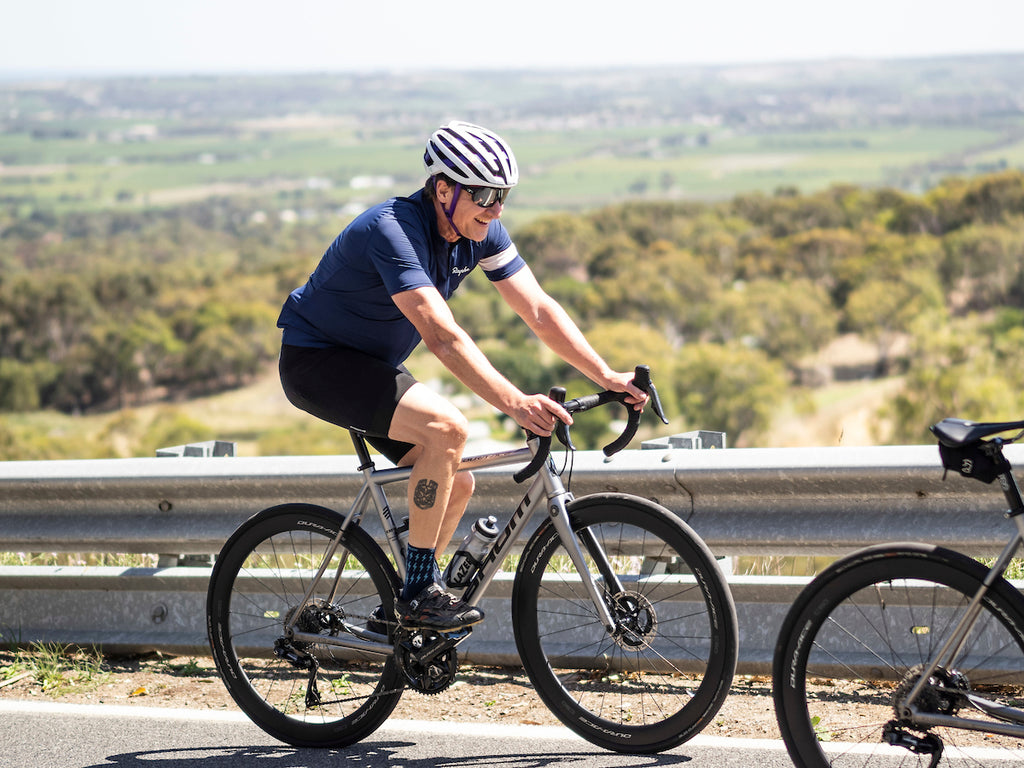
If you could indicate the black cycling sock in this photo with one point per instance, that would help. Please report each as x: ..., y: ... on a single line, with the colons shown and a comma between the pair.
x: 419, y: 571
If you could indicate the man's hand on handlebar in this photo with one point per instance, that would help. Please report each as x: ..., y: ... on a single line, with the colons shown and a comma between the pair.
x: 543, y: 413
x: 540, y: 414
x: 623, y: 382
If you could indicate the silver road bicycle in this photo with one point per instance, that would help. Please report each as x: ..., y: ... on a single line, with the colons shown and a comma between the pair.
x: 910, y: 654
x: 621, y: 616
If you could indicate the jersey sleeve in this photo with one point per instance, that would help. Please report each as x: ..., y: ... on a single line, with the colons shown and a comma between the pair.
x: 399, y: 254
x: 503, y: 259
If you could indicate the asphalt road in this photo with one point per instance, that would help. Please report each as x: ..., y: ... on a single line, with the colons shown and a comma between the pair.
x: 75, y: 736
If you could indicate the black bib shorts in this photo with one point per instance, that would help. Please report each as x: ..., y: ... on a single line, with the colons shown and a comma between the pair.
x: 348, y: 388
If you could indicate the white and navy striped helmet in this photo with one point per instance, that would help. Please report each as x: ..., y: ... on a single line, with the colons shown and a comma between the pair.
x: 471, y: 155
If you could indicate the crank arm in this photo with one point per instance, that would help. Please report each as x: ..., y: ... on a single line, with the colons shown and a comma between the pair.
x: 435, y: 648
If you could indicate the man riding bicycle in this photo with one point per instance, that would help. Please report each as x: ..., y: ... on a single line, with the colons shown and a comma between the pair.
x: 382, y: 287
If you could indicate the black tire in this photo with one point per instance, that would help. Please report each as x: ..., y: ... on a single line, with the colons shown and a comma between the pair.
x: 665, y: 674
x: 259, y: 579
x: 853, y: 638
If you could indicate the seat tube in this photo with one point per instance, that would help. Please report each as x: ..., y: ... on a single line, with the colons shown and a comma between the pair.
x: 380, y: 501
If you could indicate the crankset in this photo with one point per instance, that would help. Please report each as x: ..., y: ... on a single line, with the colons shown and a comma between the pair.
x: 428, y: 659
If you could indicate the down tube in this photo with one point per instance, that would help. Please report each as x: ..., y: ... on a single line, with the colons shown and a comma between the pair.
x: 533, y: 500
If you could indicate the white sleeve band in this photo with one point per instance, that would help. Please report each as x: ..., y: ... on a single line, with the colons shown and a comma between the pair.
x: 499, y: 260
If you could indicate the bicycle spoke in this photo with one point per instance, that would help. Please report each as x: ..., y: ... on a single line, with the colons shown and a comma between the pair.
x: 656, y: 677
x: 303, y: 693
x: 856, y: 643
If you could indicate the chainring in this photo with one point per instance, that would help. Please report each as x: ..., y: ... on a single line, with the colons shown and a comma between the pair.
x: 426, y: 672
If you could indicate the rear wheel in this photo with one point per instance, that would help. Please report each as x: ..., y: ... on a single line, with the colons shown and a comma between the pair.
x: 662, y: 674
x: 855, y: 642
x: 305, y: 693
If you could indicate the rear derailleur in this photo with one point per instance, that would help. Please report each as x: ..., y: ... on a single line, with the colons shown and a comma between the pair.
x: 929, y: 744
x: 300, y: 659
x: 316, y: 617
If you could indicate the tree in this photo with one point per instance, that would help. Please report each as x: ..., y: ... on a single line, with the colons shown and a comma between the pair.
x: 968, y: 368
x: 663, y: 287
x: 523, y: 366
x: 625, y: 345
x: 558, y: 245
x: 20, y: 385
x: 993, y: 198
x: 815, y: 254
x: 132, y: 354
x: 728, y: 388
x: 786, y: 320
x: 885, y: 308
x: 983, y: 264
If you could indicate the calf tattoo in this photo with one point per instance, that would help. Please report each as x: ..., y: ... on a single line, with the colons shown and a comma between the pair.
x: 425, y: 494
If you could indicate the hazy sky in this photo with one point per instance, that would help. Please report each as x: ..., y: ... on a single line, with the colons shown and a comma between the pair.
x: 200, y: 36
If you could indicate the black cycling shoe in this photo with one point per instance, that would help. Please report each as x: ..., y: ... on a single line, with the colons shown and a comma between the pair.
x: 433, y: 608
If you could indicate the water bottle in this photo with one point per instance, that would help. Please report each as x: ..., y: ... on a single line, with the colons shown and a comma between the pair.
x: 469, y: 556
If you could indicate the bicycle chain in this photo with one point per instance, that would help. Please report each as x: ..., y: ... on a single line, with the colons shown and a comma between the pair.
x: 415, y: 672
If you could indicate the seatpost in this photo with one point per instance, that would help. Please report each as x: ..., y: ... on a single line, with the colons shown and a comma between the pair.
x: 1011, y: 490
x: 362, y: 452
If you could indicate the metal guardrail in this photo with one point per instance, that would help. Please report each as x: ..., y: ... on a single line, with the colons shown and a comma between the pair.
x: 747, y: 501
x: 131, y: 610
x: 822, y: 501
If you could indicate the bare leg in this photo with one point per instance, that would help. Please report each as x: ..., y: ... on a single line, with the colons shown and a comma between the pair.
x: 462, y: 491
x: 463, y: 486
x: 436, y: 501
x: 439, y: 431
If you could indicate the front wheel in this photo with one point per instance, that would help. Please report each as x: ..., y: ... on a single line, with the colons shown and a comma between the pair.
x: 855, y: 643
x: 312, y: 693
x: 663, y: 673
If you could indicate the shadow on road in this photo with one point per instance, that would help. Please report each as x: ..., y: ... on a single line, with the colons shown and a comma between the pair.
x: 367, y: 755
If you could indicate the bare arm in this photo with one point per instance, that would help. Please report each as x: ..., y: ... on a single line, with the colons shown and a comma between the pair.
x: 447, y: 340
x: 556, y: 329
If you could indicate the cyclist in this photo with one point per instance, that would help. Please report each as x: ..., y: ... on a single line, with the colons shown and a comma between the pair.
x: 379, y: 289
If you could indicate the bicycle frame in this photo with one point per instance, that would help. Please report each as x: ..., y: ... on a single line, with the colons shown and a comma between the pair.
x: 544, y: 492
x: 952, y: 647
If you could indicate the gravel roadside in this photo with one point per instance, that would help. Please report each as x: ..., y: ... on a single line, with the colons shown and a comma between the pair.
x: 479, y: 694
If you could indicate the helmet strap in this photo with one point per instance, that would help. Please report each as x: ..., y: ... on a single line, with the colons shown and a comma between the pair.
x: 450, y: 208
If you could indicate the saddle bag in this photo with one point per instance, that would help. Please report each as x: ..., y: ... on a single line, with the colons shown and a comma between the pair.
x: 974, y: 461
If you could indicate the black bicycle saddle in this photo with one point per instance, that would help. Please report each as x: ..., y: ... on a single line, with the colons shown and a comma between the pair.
x: 957, y: 432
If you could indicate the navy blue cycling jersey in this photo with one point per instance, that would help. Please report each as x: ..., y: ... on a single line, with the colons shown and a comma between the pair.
x: 390, y: 248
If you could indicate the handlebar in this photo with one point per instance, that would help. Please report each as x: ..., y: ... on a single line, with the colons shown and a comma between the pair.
x: 641, y: 379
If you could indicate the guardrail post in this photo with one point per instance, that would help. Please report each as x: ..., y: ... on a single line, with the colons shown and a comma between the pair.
x: 698, y: 439
x: 203, y: 450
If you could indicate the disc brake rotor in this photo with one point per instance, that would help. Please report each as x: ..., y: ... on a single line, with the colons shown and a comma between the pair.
x: 636, y: 621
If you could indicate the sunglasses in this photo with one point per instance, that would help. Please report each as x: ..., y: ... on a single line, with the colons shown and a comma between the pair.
x: 485, y: 197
